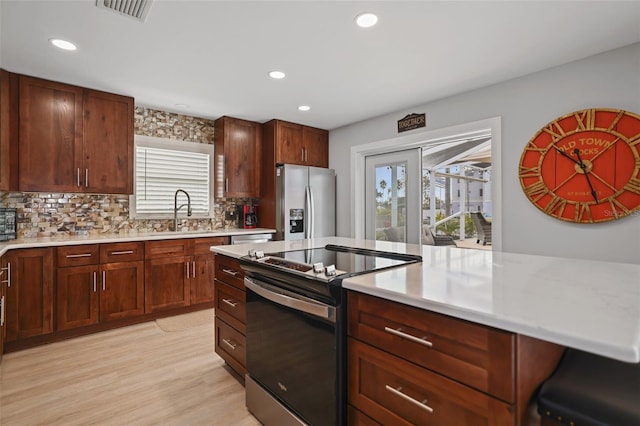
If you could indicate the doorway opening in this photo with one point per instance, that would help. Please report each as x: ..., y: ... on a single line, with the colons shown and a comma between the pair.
x: 458, y: 179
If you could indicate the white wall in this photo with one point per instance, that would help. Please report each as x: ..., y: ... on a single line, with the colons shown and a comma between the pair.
x: 607, y: 80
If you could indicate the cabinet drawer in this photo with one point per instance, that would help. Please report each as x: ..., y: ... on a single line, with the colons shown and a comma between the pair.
x: 231, y: 346
x: 393, y: 391
x: 476, y: 355
x: 167, y: 248
x: 86, y: 254
x: 231, y: 305
x: 228, y: 271
x: 202, y: 245
x: 121, y: 252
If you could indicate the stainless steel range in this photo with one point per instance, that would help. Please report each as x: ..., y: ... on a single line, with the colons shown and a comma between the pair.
x: 296, y: 331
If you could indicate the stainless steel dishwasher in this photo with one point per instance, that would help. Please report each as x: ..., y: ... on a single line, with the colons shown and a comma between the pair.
x: 251, y: 238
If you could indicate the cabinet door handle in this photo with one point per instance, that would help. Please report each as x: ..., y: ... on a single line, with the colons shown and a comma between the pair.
x: 86, y: 178
x: 78, y: 177
x: 104, y: 280
x: 230, y: 272
x: 187, y: 264
x: 71, y: 256
x: 397, y: 391
x: 230, y: 344
x: 193, y: 269
x: 2, y: 311
x: 8, y: 269
x: 114, y: 253
x: 230, y: 303
x: 226, y: 185
x: 95, y: 280
x: 302, y: 154
x: 415, y: 339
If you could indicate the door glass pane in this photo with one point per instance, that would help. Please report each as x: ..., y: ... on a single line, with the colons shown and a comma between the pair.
x: 392, y: 195
x: 391, y: 202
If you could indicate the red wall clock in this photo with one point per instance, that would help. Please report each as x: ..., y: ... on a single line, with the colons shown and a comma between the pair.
x: 584, y: 167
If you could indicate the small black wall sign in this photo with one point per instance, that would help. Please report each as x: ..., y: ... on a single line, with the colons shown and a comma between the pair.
x: 412, y: 121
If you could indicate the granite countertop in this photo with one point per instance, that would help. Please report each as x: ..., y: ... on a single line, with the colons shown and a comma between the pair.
x: 588, y: 305
x: 115, y: 238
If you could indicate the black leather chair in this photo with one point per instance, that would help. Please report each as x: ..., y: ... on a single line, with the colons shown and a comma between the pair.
x: 591, y: 390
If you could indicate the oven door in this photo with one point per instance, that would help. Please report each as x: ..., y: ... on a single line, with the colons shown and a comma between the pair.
x: 292, y: 353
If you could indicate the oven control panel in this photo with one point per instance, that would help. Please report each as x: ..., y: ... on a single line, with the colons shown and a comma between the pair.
x: 317, y: 270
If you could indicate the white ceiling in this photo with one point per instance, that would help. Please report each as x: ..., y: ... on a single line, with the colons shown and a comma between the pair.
x: 215, y: 55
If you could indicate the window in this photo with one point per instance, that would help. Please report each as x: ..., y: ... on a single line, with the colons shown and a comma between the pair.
x: 481, y: 192
x: 163, y: 166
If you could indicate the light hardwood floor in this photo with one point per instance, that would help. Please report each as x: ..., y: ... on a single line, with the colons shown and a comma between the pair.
x: 137, y: 375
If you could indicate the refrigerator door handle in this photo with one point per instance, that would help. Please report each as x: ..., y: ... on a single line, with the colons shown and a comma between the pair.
x: 310, y: 212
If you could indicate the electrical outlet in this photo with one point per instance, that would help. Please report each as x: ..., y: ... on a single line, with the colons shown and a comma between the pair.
x: 230, y: 215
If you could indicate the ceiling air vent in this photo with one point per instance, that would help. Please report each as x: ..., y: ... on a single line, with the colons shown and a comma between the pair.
x: 137, y: 9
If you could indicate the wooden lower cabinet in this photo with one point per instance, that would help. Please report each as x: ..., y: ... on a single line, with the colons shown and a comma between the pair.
x: 96, y: 292
x: 167, y: 283
x: 230, y: 308
x: 3, y: 304
x: 393, y: 391
x: 77, y: 296
x: 29, y: 293
x: 230, y: 344
x: 179, y: 273
x: 122, y: 290
x: 410, y: 366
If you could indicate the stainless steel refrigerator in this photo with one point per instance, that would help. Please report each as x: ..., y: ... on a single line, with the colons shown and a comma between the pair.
x: 305, y: 202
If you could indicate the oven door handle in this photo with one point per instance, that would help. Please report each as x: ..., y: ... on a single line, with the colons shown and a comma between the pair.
x: 308, y: 306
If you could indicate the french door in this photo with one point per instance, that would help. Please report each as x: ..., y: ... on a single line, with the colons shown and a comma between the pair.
x: 392, y: 196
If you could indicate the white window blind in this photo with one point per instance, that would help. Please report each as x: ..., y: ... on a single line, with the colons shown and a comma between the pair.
x: 160, y: 171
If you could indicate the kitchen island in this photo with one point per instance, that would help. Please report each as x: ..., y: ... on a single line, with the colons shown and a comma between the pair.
x: 468, y: 336
x: 587, y: 305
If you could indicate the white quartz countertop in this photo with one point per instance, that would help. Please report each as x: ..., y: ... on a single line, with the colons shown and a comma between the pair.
x: 115, y: 238
x: 588, y: 305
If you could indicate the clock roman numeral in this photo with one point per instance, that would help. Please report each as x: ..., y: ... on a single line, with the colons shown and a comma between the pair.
x: 633, y: 185
x: 533, y: 148
x: 529, y: 172
x: 615, y: 121
x: 586, y: 119
x: 615, y: 203
x: 556, y: 204
x: 536, y: 191
x: 582, y: 211
x: 555, y: 131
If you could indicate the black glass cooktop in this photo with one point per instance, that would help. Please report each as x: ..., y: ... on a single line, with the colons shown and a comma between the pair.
x: 347, y: 260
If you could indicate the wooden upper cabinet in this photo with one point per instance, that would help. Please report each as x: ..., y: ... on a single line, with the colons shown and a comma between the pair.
x: 8, y: 131
x: 73, y: 139
x: 108, y: 143
x: 238, y: 145
x: 316, y: 146
x: 293, y: 143
x: 50, y: 135
x: 288, y: 143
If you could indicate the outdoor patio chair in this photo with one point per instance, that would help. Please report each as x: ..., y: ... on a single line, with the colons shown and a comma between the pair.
x: 431, y: 239
x: 483, y: 228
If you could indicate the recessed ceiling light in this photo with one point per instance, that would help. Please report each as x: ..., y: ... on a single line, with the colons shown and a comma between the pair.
x: 304, y: 107
x: 181, y: 106
x: 366, y: 20
x: 278, y: 75
x: 63, y: 44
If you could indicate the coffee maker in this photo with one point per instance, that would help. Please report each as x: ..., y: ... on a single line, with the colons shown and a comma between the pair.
x: 247, y: 216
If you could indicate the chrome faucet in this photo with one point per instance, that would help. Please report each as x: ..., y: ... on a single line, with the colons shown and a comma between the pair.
x: 176, y: 208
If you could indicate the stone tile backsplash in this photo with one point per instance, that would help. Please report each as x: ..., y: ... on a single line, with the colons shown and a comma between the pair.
x: 51, y: 214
